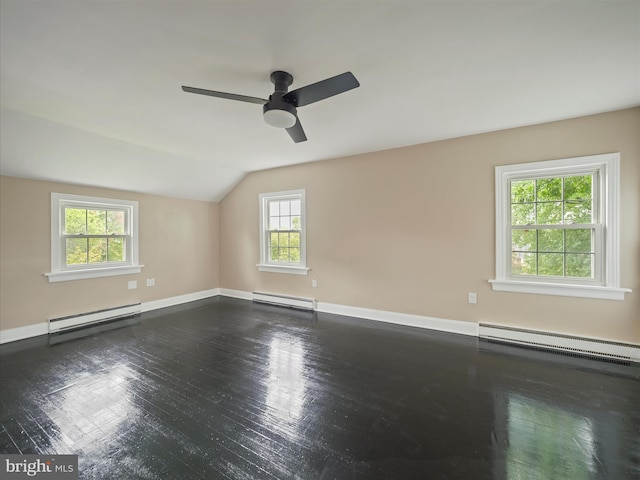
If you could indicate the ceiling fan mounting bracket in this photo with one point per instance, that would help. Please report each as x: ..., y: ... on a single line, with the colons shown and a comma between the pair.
x: 281, y: 80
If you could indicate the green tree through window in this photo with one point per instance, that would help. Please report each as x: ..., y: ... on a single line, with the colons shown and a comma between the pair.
x: 284, y: 231
x: 94, y: 236
x: 552, y: 232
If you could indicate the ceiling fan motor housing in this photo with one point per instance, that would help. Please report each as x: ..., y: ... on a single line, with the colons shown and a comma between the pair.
x: 278, y: 112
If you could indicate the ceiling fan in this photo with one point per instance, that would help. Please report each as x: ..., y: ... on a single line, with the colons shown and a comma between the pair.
x: 280, y: 110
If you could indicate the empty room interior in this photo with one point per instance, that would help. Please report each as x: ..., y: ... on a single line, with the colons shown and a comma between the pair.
x: 320, y: 240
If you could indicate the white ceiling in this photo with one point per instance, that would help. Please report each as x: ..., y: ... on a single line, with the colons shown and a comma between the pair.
x: 90, y: 90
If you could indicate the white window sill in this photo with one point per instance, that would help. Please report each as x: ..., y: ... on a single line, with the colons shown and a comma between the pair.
x: 565, y: 290
x: 283, y: 269
x: 81, y: 274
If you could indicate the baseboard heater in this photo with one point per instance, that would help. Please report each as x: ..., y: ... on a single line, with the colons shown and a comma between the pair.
x: 569, y: 344
x: 72, y: 322
x: 284, y: 301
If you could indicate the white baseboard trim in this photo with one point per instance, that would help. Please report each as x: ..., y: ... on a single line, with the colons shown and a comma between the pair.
x: 431, y: 323
x: 42, y: 328
x: 22, y: 333
x: 180, y: 299
x: 226, y: 292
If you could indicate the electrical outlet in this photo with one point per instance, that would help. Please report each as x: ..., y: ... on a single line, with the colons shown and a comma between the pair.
x: 133, y: 284
x: 314, y: 283
x: 473, y: 297
x: 151, y: 282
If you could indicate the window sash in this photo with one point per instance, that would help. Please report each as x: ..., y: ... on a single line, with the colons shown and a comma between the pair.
x: 126, y: 241
x: 597, y: 218
x: 596, y: 251
x: 127, y: 236
x: 76, y: 206
x: 289, y: 247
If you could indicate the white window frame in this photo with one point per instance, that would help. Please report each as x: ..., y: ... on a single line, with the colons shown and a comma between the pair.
x: 606, y: 282
x: 60, y: 272
x: 265, y: 265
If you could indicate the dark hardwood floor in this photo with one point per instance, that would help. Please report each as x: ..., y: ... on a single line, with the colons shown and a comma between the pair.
x: 228, y: 389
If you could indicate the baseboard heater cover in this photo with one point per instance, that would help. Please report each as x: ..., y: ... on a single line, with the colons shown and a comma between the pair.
x: 284, y: 300
x: 571, y: 344
x: 90, y: 318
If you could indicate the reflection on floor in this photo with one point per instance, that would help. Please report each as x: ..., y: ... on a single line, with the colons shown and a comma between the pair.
x: 225, y: 388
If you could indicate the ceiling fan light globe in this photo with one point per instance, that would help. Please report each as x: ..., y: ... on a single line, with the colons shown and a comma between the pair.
x: 280, y: 118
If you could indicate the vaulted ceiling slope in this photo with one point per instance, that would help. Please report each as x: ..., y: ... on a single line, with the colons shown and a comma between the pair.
x: 90, y: 91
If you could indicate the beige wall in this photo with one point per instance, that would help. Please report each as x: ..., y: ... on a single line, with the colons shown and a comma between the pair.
x: 412, y: 229
x: 179, y: 246
x: 407, y: 230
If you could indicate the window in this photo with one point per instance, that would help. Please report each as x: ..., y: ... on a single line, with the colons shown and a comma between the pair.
x: 282, y: 232
x: 557, y: 227
x: 92, y: 237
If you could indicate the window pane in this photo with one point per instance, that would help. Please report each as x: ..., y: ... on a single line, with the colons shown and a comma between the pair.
x: 285, y: 207
x: 96, y: 222
x: 550, y: 240
x: 285, y: 223
x: 549, y: 213
x: 283, y: 247
x: 579, y: 241
x: 549, y: 189
x: 97, y: 250
x: 295, y: 207
x: 274, y: 223
x: 522, y: 191
x: 523, y: 263
x: 578, y: 211
x: 294, y: 255
x: 76, y: 251
x: 551, y: 264
x: 294, y: 238
x: 579, y: 265
x: 115, y: 222
x: 578, y: 188
x: 523, y: 214
x: 274, y: 209
x: 296, y: 223
x: 523, y: 240
x: 115, y: 250
x: 75, y: 221
x: 283, y: 240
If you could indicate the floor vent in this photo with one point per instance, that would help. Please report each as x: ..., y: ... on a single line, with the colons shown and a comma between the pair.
x: 569, y: 344
x: 91, y: 318
x: 285, y: 301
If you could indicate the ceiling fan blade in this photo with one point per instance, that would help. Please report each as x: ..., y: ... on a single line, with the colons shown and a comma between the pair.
x: 228, y: 96
x: 296, y: 132
x: 321, y: 90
